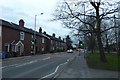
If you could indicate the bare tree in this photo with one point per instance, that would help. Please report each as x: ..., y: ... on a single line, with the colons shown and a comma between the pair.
x: 74, y: 15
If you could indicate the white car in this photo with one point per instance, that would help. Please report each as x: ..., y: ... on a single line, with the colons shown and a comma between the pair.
x: 70, y: 51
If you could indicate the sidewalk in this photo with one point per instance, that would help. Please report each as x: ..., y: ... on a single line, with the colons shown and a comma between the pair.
x: 79, y: 69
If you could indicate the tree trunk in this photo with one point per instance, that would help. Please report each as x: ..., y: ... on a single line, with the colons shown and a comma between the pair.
x: 118, y: 50
x: 107, y: 45
x: 108, y: 49
x: 119, y: 43
x: 101, y: 49
x: 98, y: 34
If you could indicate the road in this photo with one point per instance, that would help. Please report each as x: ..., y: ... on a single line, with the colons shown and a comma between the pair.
x: 37, y: 66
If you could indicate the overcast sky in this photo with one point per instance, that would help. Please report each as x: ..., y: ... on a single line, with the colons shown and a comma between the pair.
x: 14, y: 10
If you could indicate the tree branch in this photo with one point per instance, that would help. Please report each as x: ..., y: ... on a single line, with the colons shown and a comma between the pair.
x: 108, y: 29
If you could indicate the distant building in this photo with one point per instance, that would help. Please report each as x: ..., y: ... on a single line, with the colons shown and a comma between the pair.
x: 55, y: 44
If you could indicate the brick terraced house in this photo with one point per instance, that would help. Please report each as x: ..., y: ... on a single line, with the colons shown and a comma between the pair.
x: 16, y: 40
x: 56, y: 44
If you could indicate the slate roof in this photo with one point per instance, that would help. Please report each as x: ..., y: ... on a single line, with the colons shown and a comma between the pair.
x: 15, y: 26
x: 54, y: 38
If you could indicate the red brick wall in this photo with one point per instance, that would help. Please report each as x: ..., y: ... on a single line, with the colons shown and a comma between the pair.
x: 27, y: 43
x: 38, y: 40
x: 9, y: 35
x: 41, y: 45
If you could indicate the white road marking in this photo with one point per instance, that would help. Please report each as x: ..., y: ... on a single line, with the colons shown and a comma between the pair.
x: 23, y: 64
x: 30, y: 71
x: 26, y: 63
x: 62, y: 64
x: 18, y: 57
x: 19, y: 65
x: 46, y: 58
x: 8, y: 66
x: 55, y: 70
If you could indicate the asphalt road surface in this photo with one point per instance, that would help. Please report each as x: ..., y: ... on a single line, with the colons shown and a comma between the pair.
x: 37, y: 66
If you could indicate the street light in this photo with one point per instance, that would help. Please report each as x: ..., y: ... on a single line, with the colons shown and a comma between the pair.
x: 35, y: 19
x: 35, y: 32
x: 83, y: 5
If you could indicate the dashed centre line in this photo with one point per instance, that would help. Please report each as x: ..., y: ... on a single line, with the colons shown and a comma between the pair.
x: 23, y: 64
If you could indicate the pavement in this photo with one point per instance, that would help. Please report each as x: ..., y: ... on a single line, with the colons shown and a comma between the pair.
x: 78, y: 68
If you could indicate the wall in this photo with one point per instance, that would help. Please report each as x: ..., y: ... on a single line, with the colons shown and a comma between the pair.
x: 27, y: 44
x: 9, y: 35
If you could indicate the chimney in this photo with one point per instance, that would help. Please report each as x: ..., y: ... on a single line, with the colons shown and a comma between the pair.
x: 59, y: 37
x: 63, y: 39
x: 40, y: 30
x: 44, y: 32
x: 53, y: 34
x: 21, y: 23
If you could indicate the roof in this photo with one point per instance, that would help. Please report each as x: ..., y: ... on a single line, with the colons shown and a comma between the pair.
x: 54, y: 38
x: 16, y: 26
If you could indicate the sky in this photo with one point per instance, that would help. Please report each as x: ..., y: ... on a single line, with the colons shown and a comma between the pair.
x: 14, y: 10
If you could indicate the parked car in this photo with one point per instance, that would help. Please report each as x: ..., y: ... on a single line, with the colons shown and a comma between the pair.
x: 70, y: 51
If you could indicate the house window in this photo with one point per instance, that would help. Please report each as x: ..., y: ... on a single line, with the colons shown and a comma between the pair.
x: 43, y: 40
x: 22, y: 35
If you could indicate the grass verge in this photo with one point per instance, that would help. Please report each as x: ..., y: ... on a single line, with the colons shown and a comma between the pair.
x: 93, y: 61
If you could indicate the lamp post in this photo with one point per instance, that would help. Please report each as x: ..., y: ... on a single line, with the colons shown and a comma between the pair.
x: 84, y: 27
x: 35, y: 32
